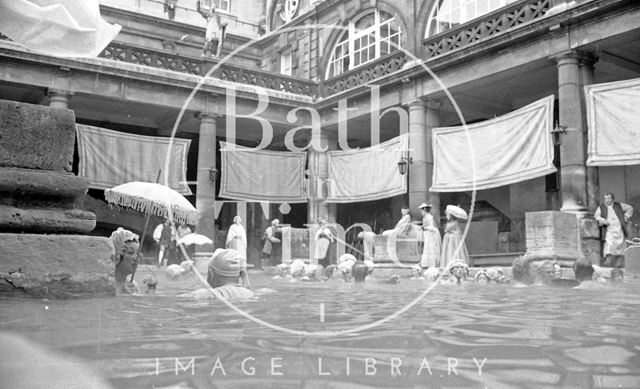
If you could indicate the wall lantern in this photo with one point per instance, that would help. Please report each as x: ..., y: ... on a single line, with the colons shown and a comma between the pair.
x: 213, y: 174
x: 403, y: 164
x: 557, y: 133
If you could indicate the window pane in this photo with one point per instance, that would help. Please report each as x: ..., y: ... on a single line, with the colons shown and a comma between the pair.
x: 384, y: 48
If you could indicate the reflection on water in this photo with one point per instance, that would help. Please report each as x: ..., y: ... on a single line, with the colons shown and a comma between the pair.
x: 494, y: 336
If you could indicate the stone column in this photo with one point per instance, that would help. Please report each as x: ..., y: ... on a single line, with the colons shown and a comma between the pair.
x: 593, y: 176
x: 59, y: 99
x: 432, y: 121
x: 206, y: 191
x: 417, y: 171
x: 573, y: 169
x: 318, y: 164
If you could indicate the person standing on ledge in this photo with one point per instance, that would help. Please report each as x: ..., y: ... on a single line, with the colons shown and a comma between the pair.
x: 431, y: 238
x: 612, y: 218
x: 237, y: 238
x: 269, y: 241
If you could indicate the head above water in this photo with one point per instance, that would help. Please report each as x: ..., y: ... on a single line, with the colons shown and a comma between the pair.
x: 224, y: 267
x: 482, y: 277
x: 359, y: 271
x: 459, y: 269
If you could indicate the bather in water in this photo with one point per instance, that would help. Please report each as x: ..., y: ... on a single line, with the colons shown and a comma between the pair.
x: 224, y: 275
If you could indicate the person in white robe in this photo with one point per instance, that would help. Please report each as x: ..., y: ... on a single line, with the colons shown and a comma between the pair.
x: 431, y: 238
x: 237, y: 238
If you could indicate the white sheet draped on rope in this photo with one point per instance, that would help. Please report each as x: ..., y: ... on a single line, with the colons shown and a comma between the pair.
x: 505, y: 150
x: 613, y: 119
x: 260, y: 175
x: 367, y: 174
x: 109, y: 158
x: 61, y: 28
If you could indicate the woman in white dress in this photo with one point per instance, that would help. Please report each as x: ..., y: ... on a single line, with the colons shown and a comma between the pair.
x: 453, y: 247
x: 431, y: 234
x: 237, y: 238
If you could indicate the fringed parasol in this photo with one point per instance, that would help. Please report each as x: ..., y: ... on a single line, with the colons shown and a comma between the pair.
x: 152, y: 198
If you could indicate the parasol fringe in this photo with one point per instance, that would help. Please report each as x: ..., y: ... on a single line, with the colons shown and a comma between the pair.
x: 147, y: 206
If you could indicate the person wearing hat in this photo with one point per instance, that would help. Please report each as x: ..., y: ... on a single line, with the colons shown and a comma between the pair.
x: 452, y: 244
x: 225, y: 272
x: 482, y: 277
x: 431, y: 238
x: 126, y: 258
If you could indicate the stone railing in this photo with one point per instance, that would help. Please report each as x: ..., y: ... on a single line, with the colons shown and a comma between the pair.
x: 199, y: 66
x: 364, y: 74
x: 489, y: 25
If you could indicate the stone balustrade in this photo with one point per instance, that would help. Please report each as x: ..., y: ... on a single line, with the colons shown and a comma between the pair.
x: 201, y: 66
x: 365, y: 74
x: 479, y: 29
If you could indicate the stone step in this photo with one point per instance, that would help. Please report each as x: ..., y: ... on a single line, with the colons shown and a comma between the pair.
x: 495, y: 259
x: 19, y: 183
x: 36, y: 137
x: 46, y: 220
x: 56, y: 266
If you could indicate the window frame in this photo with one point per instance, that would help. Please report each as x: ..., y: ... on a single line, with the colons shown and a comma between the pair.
x: 288, y: 53
x: 359, y: 54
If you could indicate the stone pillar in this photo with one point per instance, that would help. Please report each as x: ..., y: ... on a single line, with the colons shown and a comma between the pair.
x: 417, y: 171
x: 58, y: 99
x: 593, y: 175
x: 432, y: 121
x: 207, y: 176
x: 573, y: 170
x: 318, y: 164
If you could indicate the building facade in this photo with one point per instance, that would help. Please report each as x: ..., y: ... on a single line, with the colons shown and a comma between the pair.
x: 493, y: 56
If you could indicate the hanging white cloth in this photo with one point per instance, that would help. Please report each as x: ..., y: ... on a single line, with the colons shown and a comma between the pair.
x: 367, y: 174
x: 612, y: 118
x: 501, y: 151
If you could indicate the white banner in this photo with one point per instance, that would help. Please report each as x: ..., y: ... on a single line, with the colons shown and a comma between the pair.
x: 613, y: 118
x: 263, y: 176
x: 367, y: 174
x: 501, y: 151
x: 109, y: 158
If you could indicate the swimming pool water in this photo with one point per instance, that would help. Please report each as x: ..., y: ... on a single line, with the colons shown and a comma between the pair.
x: 492, y: 336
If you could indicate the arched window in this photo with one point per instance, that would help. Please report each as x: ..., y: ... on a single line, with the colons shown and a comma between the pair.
x: 448, y: 14
x: 370, y: 37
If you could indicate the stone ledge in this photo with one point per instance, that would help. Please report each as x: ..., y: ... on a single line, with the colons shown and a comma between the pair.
x: 46, y: 220
x: 55, y: 266
x: 36, y: 137
x: 18, y: 182
x: 59, y: 287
